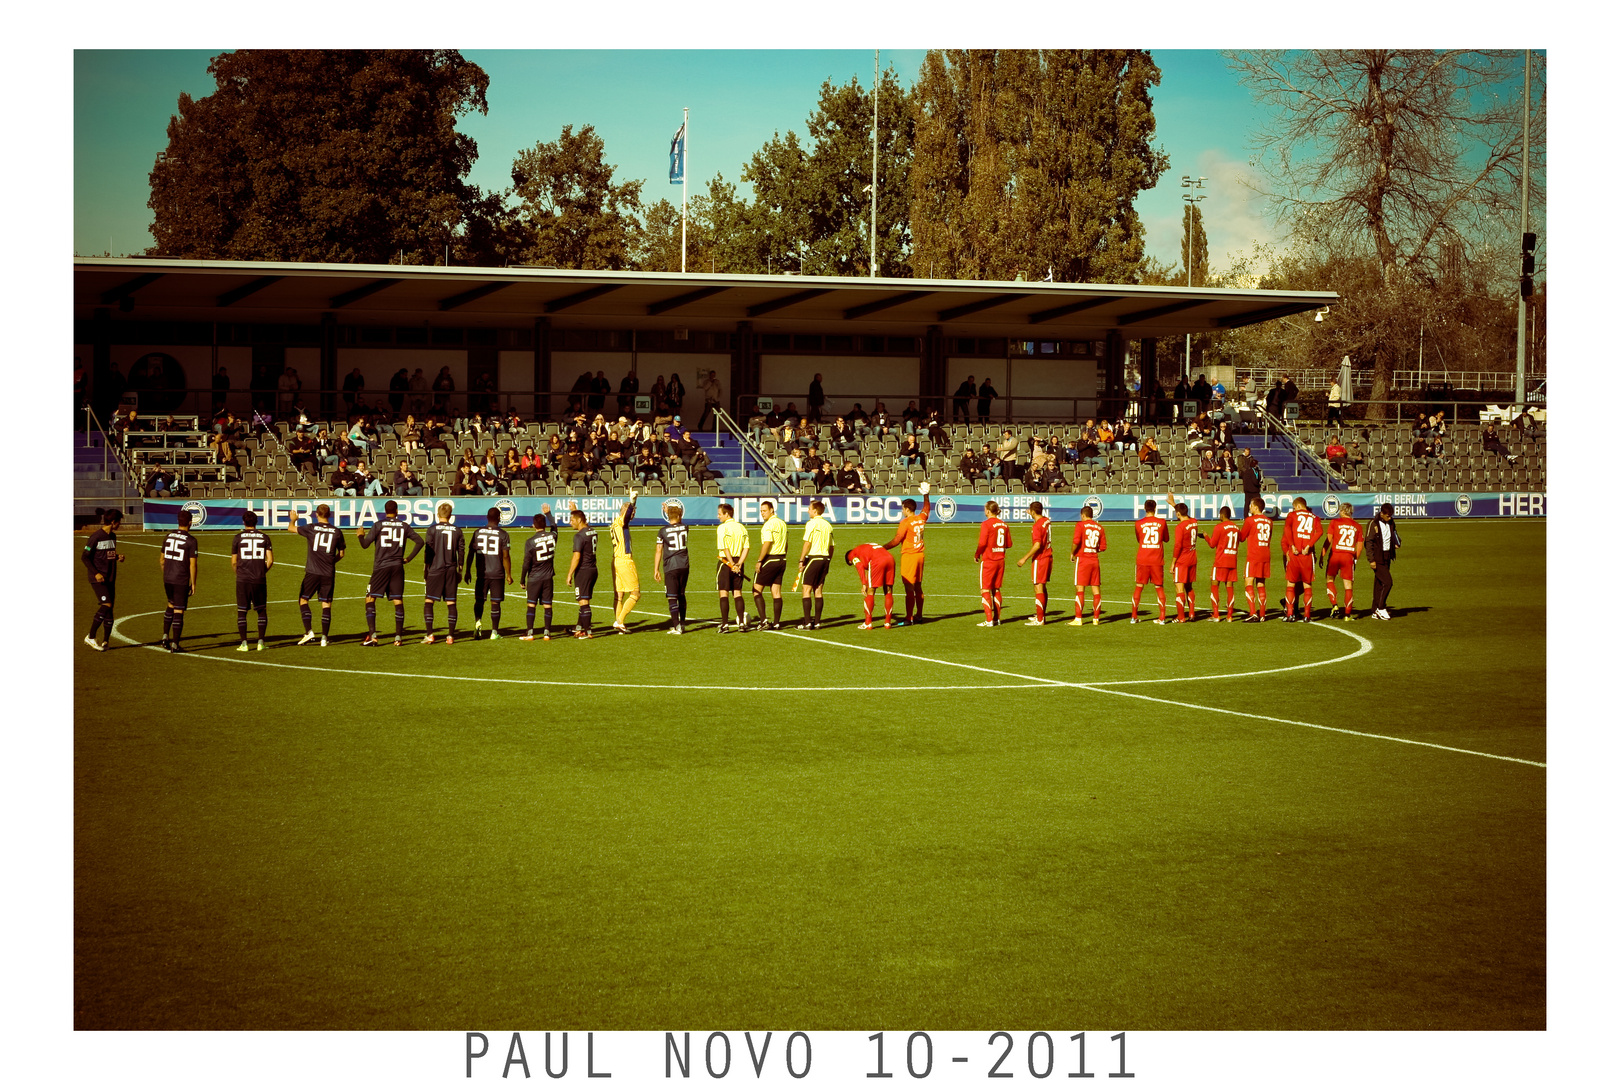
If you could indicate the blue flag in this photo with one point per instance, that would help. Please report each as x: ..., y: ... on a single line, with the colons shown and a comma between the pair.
x: 677, y: 157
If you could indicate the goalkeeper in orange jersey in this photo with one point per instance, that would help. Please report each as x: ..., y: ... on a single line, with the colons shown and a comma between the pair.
x: 909, y: 538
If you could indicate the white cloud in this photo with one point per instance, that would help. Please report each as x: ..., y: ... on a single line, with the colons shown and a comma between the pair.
x: 1235, y: 214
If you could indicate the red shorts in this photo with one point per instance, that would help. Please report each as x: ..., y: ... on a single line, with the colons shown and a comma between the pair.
x: 1258, y: 570
x: 878, y: 573
x: 991, y: 573
x: 1043, y: 571
x: 1225, y: 573
x: 1087, y: 572
x: 1299, y: 568
x: 1146, y: 574
x: 1186, y: 570
x: 1341, y: 564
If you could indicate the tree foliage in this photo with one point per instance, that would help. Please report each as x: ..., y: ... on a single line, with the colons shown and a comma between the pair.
x: 570, y: 213
x: 1026, y: 160
x: 320, y: 155
x: 1193, y: 238
x: 1397, y: 173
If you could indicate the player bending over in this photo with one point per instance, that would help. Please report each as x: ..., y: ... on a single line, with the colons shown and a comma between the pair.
x: 101, y: 559
x: 1151, y: 533
x: 1344, y: 546
x: 1256, y: 530
x: 326, y: 547
x: 1186, y: 567
x: 815, y: 557
x: 909, y: 538
x: 1040, y: 549
x: 1224, y: 539
x: 539, y: 571
x: 875, y: 567
x: 1301, y: 530
x: 1090, y: 541
x: 443, y: 555
x: 991, y: 555
x: 251, y: 559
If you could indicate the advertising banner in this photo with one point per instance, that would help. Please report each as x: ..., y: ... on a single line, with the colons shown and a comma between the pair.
x: 840, y: 509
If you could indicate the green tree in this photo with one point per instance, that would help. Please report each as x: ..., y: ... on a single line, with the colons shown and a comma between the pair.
x: 570, y: 213
x: 1029, y: 160
x: 321, y: 155
x: 1192, y: 234
x: 1404, y: 161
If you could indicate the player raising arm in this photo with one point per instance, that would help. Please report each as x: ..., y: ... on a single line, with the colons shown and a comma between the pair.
x: 1090, y: 541
x: 1224, y: 539
x: 626, y: 578
x: 251, y: 558
x: 991, y: 555
x: 1186, y: 567
x: 1256, y: 530
x: 1344, y: 546
x: 1040, y: 549
x: 1301, y: 530
x: 326, y: 547
x: 1151, y: 533
x: 814, y: 559
x: 909, y: 538
x: 444, y: 553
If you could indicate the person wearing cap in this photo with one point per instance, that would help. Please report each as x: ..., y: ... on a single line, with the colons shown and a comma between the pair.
x: 674, y: 432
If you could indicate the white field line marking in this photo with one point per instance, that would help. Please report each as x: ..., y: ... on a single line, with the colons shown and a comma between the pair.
x: 1319, y: 727
x: 1365, y: 648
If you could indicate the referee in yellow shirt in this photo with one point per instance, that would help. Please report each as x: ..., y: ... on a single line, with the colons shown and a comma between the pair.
x: 814, y: 559
x: 771, y: 567
x: 731, y: 543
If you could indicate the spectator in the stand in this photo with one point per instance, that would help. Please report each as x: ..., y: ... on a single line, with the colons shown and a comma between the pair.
x: 911, y: 452
x: 572, y: 461
x: 419, y: 396
x: 1335, y: 453
x: 675, y: 431
x: 856, y: 418
x: 532, y: 465
x: 511, y: 466
x: 397, y: 386
x: 225, y: 457
x: 1007, y: 452
x: 686, y: 449
x: 1223, y: 438
x: 354, y: 384
x: 648, y: 467
x: 1208, y: 467
x: 1182, y: 393
x: 357, y: 435
x: 826, y: 479
x: 1202, y: 392
x: 1420, y: 448
x: 466, y: 483
x: 989, y: 462
x: 601, y: 387
x: 222, y: 386
x: 1335, y: 403
x: 700, y: 468
x: 1038, y: 454
x: 514, y: 421
x: 1491, y: 442
x: 1248, y: 471
x: 613, y: 449
x: 848, y: 479
x: 406, y: 482
x: 1071, y: 452
x: 675, y: 392
x: 1125, y: 437
x: 1527, y: 423
x: 863, y: 482
x: 596, y: 447
x: 772, y: 421
x: 344, y: 481
x: 959, y: 401
x: 1437, y: 425
x: 971, y: 467
x: 411, y: 440
x: 629, y: 387
x: 1437, y: 449
x: 1229, y: 465
x: 300, y: 451
x: 879, y: 420
x: 842, y: 436
x: 443, y: 386
x: 660, y: 397
x: 938, y: 436
x: 370, y: 486
x: 795, y: 469
x: 710, y: 385
x: 1089, y: 452
x: 554, y: 451
x: 987, y: 394
x: 1106, y: 440
x: 911, y: 418
x: 808, y: 435
x: 815, y: 398
x: 1149, y: 453
x: 1356, y: 459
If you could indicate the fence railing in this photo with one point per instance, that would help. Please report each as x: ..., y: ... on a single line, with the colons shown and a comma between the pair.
x: 750, y: 447
x: 1401, y: 378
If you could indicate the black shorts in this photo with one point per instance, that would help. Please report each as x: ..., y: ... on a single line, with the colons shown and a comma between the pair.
x: 584, y: 582
x: 675, y: 581
x: 105, y: 590
x: 494, y: 588
x: 815, y: 571
x: 770, y: 572
x: 540, y: 588
x: 179, y: 594
x: 728, y: 579
x: 388, y: 581
x: 441, y: 584
x: 251, y: 595
x: 315, y: 585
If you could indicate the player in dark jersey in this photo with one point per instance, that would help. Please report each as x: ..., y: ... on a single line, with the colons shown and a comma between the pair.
x: 179, y: 561
x: 494, y: 549
x: 539, y: 574
x: 582, y: 569
x: 101, y: 559
x: 443, y: 554
x: 252, y: 559
x: 671, y: 564
x: 326, y: 547
x: 388, y: 569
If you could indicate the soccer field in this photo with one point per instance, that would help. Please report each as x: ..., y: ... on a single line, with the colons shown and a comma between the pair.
x: 1340, y: 825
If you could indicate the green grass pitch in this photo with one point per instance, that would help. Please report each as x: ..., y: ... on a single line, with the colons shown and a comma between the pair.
x: 937, y: 827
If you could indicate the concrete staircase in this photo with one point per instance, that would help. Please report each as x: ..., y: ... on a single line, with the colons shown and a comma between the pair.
x: 1279, y: 463
x: 740, y: 471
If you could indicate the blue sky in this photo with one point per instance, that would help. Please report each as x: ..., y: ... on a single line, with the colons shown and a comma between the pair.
x: 739, y: 98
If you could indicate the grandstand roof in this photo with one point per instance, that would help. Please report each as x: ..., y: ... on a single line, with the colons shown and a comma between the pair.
x: 143, y: 288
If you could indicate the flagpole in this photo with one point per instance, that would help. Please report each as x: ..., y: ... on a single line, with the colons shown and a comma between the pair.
x: 686, y: 143
x: 872, y: 268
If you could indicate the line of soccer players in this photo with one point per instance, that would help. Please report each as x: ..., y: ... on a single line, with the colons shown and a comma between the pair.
x: 485, y: 560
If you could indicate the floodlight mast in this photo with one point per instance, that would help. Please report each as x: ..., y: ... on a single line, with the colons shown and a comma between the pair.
x: 1190, y: 200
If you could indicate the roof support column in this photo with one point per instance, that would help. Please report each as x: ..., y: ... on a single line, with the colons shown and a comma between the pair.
x: 100, y: 359
x: 1113, y: 403
x: 329, y: 375
x: 744, y: 368
x: 1150, y: 376
x: 931, y: 388
x: 542, y: 368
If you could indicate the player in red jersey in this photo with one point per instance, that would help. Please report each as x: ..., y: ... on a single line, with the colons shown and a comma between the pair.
x: 1090, y: 541
x: 1256, y: 529
x: 1224, y: 539
x: 991, y: 555
x: 1186, y: 570
x: 1040, y: 549
x: 1151, y: 533
x: 1344, y: 543
x: 875, y: 567
x: 1301, y: 530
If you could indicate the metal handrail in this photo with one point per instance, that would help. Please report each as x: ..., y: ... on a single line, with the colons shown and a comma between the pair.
x: 1273, y: 424
x: 106, y: 448
x: 749, y: 446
